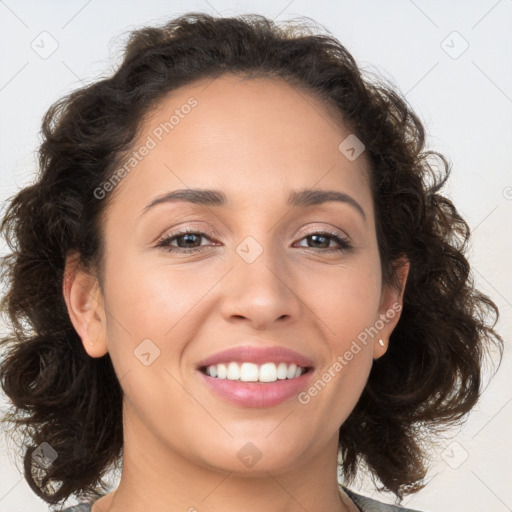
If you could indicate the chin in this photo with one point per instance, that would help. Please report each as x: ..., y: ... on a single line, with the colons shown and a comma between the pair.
x: 252, y: 458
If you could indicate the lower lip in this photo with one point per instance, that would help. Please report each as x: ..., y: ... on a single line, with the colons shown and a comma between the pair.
x: 257, y: 394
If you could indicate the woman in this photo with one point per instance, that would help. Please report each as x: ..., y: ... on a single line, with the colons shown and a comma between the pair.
x: 235, y: 265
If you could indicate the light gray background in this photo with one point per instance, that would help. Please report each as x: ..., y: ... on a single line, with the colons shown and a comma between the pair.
x: 464, y: 100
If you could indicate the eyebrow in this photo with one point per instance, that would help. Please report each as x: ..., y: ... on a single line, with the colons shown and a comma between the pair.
x: 209, y: 197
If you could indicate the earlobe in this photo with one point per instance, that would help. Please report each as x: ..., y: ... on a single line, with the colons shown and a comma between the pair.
x: 380, y: 348
x: 84, y: 303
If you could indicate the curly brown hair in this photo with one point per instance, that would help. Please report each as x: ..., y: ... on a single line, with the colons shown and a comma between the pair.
x: 431, y: 375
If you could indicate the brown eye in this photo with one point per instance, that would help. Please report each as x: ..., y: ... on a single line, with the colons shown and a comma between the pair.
x: 188, y: 241
x: 321, y: 240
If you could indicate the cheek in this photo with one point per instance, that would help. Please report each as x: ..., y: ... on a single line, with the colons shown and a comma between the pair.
x: 346, y: 303
x: 346, y: 300
x: 152, y: 299
x: 163, y: 304
x: 149, y: 312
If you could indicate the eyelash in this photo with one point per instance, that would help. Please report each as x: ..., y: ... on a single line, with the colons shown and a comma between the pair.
x: 166, y: 241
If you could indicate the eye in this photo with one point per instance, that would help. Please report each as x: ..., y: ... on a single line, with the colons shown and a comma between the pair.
x: 189, y: 241
x: 185, y: 238
x: 324, y: 238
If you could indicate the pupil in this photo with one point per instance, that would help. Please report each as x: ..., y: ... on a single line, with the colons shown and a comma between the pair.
x: 186, y: 238
x: 315, y: 237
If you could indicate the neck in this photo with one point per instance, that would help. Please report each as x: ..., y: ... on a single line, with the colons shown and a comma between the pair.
x: 156, y: 477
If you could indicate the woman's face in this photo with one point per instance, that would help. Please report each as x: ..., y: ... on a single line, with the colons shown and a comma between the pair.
x: 257, y: 273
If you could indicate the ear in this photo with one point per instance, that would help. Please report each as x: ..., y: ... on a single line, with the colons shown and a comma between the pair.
x: 85, y: 305
x: 390, y: 308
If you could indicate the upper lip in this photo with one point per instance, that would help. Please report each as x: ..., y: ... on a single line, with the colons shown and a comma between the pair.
x: 257, y: 355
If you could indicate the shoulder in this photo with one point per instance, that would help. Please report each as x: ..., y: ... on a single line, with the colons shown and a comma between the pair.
x: 82, y: 507
x: 85, y: 506
x: 370, y: 505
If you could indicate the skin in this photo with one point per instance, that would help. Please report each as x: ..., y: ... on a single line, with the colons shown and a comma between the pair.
x: 255, y: 140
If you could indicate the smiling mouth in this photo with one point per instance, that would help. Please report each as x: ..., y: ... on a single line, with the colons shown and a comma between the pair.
x: 252, y: 372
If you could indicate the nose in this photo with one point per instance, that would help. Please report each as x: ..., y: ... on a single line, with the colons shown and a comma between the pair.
x: 260, y: 292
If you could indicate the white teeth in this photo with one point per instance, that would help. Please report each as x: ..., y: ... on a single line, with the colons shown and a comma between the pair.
x: 233, y: 372
x: 282, y: 371
x: 221, y: 371
x: 291, y: 371
x: 250, y: 372
x: 268, y: 372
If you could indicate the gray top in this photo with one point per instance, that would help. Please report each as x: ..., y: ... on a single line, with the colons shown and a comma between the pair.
x: 364, y: 504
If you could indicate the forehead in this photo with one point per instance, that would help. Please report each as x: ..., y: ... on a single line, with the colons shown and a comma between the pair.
x: 245, y: 136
